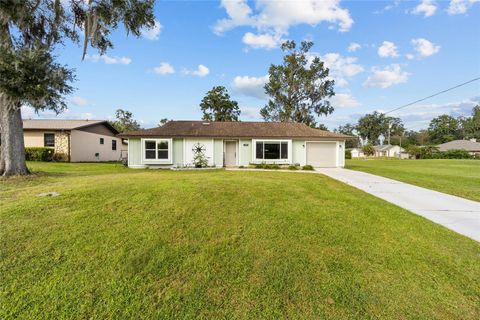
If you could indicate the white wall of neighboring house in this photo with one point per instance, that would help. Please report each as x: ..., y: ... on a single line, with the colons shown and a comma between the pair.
x: 394, y: 151
x: 85, y: 146
x: 357, y: 153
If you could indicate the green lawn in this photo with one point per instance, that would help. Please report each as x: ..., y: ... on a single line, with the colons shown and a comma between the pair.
x: 457, y: 177
x: 120, y: 243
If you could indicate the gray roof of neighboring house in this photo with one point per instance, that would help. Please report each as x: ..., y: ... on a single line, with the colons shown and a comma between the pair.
x: 468, y: 145
x: 62, y: 124
x: 233, y: 129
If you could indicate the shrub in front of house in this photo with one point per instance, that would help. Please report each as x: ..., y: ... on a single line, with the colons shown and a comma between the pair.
x: 368, y: 150
x: 307, y: 167
x: 38, y: 154
x: 348, y: 154
x: 292, y: 168
x: 455, y: 154
x: 60, y: 157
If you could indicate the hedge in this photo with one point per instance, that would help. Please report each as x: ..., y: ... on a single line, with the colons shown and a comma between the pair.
x: 39, y: 154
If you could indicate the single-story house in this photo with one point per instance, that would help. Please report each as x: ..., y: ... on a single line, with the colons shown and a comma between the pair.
x: 357, y: 153
x: 77, y: 140
x: 472, y: 146
x: 382, y: 151
x: 388, y: 151
x: 232, y: 144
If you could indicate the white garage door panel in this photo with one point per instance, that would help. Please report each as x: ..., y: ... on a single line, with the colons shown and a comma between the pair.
x: 322, y: 154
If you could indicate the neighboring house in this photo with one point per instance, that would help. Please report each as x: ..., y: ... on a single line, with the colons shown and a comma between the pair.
x: 357, y: 153
x: 472, y: 146
x: 382, y: 151
x: 388, y: 151
x: 77, y: 140
x: 231, y: 144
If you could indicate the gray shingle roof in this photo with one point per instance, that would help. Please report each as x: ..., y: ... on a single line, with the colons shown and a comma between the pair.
x: 235, y: 130
x: 468, y: 145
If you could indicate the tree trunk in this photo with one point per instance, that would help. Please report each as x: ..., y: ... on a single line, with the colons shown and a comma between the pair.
x: 12, y: 161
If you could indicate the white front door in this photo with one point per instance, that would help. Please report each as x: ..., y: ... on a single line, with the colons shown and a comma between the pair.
x: 230, y: 153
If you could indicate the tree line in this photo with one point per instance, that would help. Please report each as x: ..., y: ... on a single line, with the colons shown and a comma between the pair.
x: 441, y: 129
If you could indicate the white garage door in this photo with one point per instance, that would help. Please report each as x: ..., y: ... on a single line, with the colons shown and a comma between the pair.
x: 322, y: 154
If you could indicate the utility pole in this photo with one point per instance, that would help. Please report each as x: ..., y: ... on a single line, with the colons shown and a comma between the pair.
x: 389, y: 128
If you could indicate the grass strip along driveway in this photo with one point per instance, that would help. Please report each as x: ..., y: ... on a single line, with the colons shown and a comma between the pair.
x: 457, y: 177
x: 120, y: 243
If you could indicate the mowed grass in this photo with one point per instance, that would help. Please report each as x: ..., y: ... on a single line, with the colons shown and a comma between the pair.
x: 452, y: 176
x: 120, y: 243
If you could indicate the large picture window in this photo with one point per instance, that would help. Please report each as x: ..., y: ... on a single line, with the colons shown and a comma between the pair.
x: 271, y: 150
x: 156, y: 149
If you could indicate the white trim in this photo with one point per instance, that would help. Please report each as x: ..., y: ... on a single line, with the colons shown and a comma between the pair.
x: 128, y: 153
x: 279, y: 161
x: 138, y: 166
x: 157, y: 161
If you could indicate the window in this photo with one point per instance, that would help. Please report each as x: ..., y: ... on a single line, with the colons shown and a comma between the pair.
x: 271, y: 150
x: 157, y: 149
x: 101, y: 141
x: 114, y: 145
x: 49, y: 140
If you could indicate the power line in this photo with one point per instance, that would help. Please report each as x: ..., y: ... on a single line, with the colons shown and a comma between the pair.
x: 433, y: 95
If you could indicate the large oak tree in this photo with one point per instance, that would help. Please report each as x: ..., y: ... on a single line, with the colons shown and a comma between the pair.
x: 30, y: 31
x: 299, y: 88
x: 218, y: 106
x: 372, y: 126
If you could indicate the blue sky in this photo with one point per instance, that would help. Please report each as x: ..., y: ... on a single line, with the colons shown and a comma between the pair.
x: 382, y: 54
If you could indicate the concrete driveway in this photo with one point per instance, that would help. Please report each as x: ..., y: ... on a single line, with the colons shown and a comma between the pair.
x: 458, y: 214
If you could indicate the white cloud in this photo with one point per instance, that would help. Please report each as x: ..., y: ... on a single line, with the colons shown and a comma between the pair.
x: 251, y: 113
x: 164, y: 68
x: 250, y: 86
x: 264, y: 41
x: 353, y: 47
x: 29, y: 113
x: 341, y: 68
x: 387, y: 7
x: 460, y: 6
x: 276, y: 17
x: 79, y: 101
x: 384, y: 78
x: 422, y: 114
x: 424, y: 47
x: 426, y: 7
x: 388, y: 50
x: 109, y: 60
x: 344, y: 100
x: 153, y: 33
x: 410, y: 56
x: 201, y: 71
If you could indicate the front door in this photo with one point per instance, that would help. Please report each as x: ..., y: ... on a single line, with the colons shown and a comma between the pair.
x: 230, y: 153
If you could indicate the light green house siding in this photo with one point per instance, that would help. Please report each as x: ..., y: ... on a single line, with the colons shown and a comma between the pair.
x: 135, y: 153
x: 245, y: 150
x: 218, y: 152
x: 298, y: 152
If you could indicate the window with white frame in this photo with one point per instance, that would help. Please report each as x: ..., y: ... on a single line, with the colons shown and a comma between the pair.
x: 271, y: 150
x: 156, y: 149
